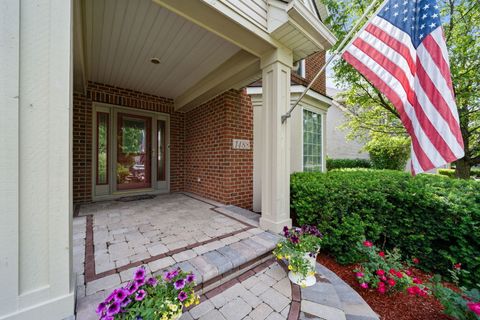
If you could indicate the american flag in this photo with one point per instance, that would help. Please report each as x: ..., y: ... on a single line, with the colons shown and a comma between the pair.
x: 402, y: 52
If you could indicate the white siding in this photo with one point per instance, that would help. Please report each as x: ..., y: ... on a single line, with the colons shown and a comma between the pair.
x: 253, y: 10
x: 338, y: 147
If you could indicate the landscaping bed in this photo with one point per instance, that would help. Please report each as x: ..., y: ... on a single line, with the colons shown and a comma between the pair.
x: 395, y: 306
x: 429, y: 216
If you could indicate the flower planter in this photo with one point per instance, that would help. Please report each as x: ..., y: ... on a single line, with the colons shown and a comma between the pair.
x: 309, y: 280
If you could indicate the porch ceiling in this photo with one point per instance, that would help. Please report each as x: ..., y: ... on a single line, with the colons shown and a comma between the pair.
x: 120, y: 37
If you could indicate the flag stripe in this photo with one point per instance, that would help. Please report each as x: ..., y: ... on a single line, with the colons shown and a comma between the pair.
x: 394, y: 44
x: 436, y: 97
x: 405, y: 90
x: 423, y: 159
x: 395, y: 33
x: 438, y: 122
x: 437, y: 54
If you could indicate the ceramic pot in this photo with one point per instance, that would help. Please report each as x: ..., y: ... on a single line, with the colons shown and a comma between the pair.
x: 309, y: 280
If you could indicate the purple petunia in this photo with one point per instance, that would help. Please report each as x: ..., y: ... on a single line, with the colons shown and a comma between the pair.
x: 132, y: 287
x: 167, y: 276
x: 139, y: 274
x: 113, y: 309
x: 190, y: 278
x: 141, y: 282
x: 120, y: 294
x: 101, y: 307
x: 126, y: 302
x: 140, y: 295
x: 179, y: 284
x: 182, y: 296
x: 111, y: 296
x: 294, y: 239
x: 152, y: 281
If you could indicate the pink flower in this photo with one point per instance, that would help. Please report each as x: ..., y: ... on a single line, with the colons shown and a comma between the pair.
x: 392, y: 272
x: 416, y: 280
x: 367, y: 244
x: 399, y: 275
x: 413, y: 290
x: 475, y: 307
x: 391, y: 282
x: 381, y: 284
x: 364, y: 285
x: 380, y: 272
x: 359, y: 274
x: 457, y: 266
x: 408, y: 272
x: 381, y: 254
x: 383, y: 278
x: 416, y: 261
x: 382, y: 290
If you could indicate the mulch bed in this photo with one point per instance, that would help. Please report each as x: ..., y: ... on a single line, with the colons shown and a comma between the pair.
x: 398, y: 306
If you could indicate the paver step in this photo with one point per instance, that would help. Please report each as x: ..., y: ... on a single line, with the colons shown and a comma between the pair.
x: 219, y: 265
x: 333, y: 299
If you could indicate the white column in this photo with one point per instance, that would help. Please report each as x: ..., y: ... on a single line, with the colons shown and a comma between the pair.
x: 35, y: 170
x: 276, y: 68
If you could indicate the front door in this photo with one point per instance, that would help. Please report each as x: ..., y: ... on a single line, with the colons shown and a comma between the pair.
x: 134, y: 142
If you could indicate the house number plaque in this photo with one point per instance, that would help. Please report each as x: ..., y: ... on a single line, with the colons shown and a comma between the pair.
x: 241, y: 144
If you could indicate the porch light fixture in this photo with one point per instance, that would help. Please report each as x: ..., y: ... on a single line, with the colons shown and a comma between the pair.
x: 155, y: 60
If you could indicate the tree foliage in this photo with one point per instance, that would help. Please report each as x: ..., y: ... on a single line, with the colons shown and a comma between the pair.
x: 371, y: 112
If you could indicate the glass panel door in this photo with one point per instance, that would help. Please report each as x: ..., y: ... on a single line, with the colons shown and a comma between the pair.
x: 102, y: 154
x: 133, y: 168
x: 161, y: 151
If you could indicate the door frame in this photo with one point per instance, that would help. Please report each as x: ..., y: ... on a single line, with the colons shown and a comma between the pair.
x: 110, y: 191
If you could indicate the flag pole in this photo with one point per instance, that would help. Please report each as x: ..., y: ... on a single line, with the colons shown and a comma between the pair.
x: 339, y: 50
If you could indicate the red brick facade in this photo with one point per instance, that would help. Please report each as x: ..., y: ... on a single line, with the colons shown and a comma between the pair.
x: 313, y: 64
x: 200, y: 143
x: 212, y: 168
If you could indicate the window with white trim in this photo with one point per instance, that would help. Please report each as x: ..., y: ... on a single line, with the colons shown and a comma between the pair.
x: 312, y: 141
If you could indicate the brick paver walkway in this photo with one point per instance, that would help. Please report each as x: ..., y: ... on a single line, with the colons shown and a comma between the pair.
x: 262, y: 295
x: 236, y: 274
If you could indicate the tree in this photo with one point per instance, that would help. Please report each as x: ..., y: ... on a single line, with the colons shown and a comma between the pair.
x: 371, y: 112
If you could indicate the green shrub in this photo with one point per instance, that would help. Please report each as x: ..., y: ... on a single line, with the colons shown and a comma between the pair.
x: 447, y: 172
x: 388, y: 152
x: 427, y: 216
x: 348, y: 163
x: 474, y: 172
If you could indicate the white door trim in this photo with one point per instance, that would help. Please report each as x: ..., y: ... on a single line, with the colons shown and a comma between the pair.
x: 106, y: 192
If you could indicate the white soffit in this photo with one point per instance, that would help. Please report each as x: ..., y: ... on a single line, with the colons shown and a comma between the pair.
x: 302, y: 30
x: 121, y: 36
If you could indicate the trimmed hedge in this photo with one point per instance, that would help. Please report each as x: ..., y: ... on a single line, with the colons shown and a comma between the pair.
x: 430, y: 217
x: 348, y: 163
x: 474, y: 172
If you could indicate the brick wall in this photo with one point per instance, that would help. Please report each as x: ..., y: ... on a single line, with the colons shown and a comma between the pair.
x: 200, y: 143
x: 313, y: 64
x: 212, y: 168
x: 82, y: 133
